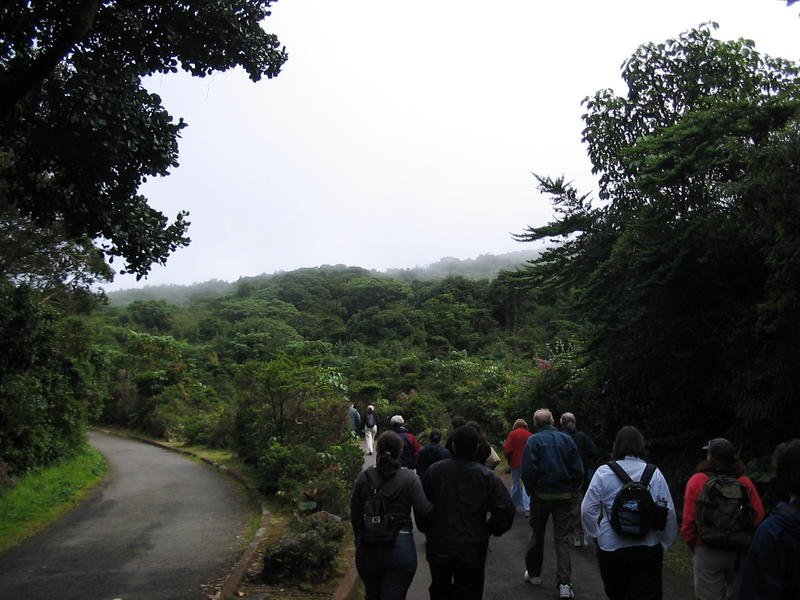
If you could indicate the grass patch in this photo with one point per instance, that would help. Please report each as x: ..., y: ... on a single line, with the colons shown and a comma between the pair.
x: 43, y: 495
x: 678, y: 558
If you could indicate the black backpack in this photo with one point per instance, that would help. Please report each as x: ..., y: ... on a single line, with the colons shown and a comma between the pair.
x: 725, y: 518
x: 376, y: 522
x: 634, y: 512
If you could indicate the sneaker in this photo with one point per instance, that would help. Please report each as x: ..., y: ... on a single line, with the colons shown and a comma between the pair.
x: 532, y: 580
x: 526, y: 513
x: 565, y: 591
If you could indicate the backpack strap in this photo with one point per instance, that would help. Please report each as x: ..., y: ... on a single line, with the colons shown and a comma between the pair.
x: 619, y: 471
x: 647, y: 474
x: 370, y: 475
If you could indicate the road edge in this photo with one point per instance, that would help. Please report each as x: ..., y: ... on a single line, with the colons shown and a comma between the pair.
x: 234, y: 578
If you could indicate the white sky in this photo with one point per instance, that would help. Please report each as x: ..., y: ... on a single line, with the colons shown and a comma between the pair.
x: 399, y: 133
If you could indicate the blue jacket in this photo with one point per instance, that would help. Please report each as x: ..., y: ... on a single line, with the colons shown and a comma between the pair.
x: 551, y: 464
x: 770, y: 570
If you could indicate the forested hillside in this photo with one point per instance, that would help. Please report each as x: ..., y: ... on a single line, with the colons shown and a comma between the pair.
x: 485, y: 266
x: 669, y: 302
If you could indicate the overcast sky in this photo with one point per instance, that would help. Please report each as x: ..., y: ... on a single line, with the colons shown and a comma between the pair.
x: 399, y: 133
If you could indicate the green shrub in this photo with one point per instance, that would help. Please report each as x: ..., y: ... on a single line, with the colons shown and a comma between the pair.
x: 323, y: 491
x: 300, y: 556
x: 277, y: 462
x: 331, y: 527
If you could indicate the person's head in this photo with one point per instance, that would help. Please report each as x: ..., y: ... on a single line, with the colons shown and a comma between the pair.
x: 786, y: 461
x: 389, y: 446
x: 396, y: 421
x: 465, y: 440
x: 351, y: 404
x: 435, y: 436
x: 520, y: 423
x: 542, y: 418
x: 568, y: 422
x: 721, y: 458
x: 370, y: 408
x: 457, y: 421
x: 629, y: 442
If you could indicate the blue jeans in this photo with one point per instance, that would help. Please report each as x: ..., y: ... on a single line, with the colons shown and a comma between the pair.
x: 518, y: 494
x: 387, y: 571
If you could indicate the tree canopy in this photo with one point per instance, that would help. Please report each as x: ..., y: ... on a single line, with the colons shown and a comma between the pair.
x: 684, y: 276
x: 79, y: 132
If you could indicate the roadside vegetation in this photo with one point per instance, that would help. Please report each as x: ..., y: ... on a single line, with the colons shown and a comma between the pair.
x: 43, y: 495
x: 669, y: 301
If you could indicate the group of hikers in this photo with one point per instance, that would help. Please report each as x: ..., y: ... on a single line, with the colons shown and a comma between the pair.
x: 624, y: 508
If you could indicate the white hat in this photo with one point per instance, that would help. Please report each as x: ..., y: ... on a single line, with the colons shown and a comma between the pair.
x: 396, y: 419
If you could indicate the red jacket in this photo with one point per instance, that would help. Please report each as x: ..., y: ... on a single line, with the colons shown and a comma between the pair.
x: 694, y: 486
x: 514, y: 445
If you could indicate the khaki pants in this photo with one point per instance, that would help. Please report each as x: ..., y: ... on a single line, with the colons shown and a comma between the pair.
x: 716, y: 573
x: 563, y: 524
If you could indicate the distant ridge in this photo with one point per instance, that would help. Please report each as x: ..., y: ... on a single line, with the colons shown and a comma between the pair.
x: 485, y: 266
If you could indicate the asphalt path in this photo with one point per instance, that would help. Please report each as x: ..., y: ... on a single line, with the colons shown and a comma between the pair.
x: 158, y: 527
x: 505, y: 566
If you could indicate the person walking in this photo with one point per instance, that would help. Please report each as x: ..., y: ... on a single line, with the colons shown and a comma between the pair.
x: 371, y: 420
x: 463, y: 493
x: 411, y: 446
x: 588, y: 452
x: 432, y: 452
x: 387, y: 569
x: 552, y: 473
x: 716, y: 572
x: 513, y: 448
x: 630, y: 565
x: 771, y: 570
x: 353, y: 416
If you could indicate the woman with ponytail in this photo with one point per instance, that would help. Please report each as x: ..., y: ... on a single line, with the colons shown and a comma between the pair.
x: 387, y: 569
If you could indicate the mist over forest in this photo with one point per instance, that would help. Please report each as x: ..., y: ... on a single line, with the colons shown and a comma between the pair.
x: 485, y: 266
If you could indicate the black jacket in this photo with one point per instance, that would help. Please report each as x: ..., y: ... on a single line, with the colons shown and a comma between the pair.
x: 463, y: 492
x: 401, y: 491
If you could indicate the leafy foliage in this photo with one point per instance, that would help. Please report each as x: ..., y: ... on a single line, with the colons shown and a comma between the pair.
x: 682, y: 279
x: 79, y: 131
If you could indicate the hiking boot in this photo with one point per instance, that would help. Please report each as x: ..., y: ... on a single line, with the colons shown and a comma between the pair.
x: 565, y: 590
x: 532, y: 580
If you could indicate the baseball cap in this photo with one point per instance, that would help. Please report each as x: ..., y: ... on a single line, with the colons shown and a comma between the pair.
x: 720, y: 448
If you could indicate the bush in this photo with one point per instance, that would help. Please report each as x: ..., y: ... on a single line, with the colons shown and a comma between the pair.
x: 324, y: 491
x: 300, y: 556
x: 329, y: 526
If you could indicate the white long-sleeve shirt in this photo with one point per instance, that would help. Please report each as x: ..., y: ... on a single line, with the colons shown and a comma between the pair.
x: 599, y: 499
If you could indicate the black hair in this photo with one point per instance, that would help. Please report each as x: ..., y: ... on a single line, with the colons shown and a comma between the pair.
x: 457, y: 422
x: 435, y: 436
x: 389, y: 446
x: 465, y: 440
x: 786, y: 461
x: 629, y: 442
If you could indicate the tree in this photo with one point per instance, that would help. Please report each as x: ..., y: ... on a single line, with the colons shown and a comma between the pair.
x: 685, y: 277
x: 79, y: 131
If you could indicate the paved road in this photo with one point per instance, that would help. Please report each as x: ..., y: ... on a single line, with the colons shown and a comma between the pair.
x: 505, y: 566
x: 156, y: 529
